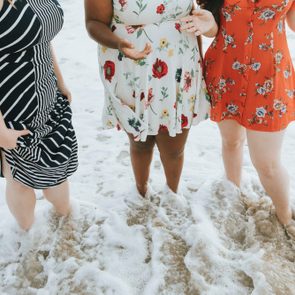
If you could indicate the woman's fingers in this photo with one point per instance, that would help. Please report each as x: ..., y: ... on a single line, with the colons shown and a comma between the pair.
x: 192, y: 30
x: 147, y: 49
x: 186, y: 19
x: 187, y: 26
x: 68, y: 95
x: 22, y: 132
x: 136, y: 55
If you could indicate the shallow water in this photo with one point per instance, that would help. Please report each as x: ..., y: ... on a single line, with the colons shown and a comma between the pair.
x: 116, y: 243
x: 224, y: 243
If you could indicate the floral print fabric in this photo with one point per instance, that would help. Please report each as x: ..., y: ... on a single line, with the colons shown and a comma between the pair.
x: 166, y: 91
x: 249, y: 71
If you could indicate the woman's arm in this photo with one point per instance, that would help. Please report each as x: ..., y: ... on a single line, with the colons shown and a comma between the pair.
x: 98, y: 17
x: 60, y: 81
x: 201, y: 22
x: 291, y: 17
x: 8, y: 137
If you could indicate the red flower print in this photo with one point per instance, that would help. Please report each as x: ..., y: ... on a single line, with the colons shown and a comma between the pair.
x: 160, y: 69
x: 130, y: 29
x: 163, y: 128
x: 150, y: 95
x: 109, y: 70
x: 142, y: 96
x: 122, y: 3
x: 184, y: 121
x: 177, y: 26
x: 161, y: 9
x: 188, y: 81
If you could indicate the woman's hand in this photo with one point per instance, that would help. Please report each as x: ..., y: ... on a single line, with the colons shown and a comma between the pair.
x: 65, y: 91
x: 201, y: 22
x: 8, y: 137
x: 129, y: 51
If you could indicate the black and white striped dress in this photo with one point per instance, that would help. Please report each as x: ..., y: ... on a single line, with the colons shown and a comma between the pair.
x: 29, y: 97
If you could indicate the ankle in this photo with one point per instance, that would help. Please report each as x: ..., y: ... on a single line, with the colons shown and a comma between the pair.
x: 26, y: 225
x: 64, y: 211
x: 142, y: 189
x: 284, y: 215
x: 172, y: 188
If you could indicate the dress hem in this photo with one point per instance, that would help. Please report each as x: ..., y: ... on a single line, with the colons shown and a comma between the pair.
x: 250, y: 128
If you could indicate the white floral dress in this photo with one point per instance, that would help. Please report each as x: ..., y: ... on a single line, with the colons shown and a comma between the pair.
x: 164, y: 92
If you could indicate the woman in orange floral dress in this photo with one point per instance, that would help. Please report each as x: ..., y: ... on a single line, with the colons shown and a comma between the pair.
x: 251, y: 81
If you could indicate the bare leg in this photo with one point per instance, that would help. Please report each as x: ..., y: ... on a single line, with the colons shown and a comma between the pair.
x: 265, y: 150
x: 233, y: 138
x: 59, y: 197
x: 141, y: 154
x: 21, y: 200
x: 172, y: 156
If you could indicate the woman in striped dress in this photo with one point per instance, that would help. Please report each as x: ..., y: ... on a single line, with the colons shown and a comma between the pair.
x: 37, y: 141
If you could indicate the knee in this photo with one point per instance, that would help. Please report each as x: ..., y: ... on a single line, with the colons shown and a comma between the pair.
x: 233, y: 143
x: 173, y: 154
x: 266, y: 168
x: 142, y: 147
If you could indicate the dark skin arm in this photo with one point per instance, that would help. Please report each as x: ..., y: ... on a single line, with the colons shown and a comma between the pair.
x: 98, y: 17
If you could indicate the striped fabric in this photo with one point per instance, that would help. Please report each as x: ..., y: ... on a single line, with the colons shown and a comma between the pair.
x: 29, y: 98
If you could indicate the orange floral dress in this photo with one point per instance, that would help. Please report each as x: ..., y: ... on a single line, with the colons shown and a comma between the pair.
x: 248, y: 68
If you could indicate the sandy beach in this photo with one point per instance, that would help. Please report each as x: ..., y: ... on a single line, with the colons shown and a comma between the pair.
x: 115, y: 243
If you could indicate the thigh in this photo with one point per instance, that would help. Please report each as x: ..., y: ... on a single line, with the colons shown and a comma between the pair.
x: 232, y: 131
x: 169, y: 144
x: 5, y: 167
x: 265, y: 146
x: 11, y: 183
x: 142, y: 145
x: 57, y: 192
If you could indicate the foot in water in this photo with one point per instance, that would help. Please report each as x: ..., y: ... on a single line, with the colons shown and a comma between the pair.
x: 290, y: 227
x: 173, y: 200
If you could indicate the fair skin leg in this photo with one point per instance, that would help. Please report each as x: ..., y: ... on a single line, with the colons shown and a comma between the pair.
x: 265, y: 152
x: 59, y: 197
x: 233, y: 138
x: 21, y: 199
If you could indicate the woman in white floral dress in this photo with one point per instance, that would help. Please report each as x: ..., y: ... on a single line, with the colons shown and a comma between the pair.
x: 152, y: 75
